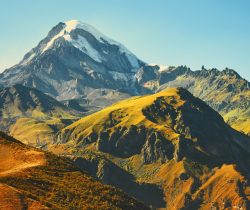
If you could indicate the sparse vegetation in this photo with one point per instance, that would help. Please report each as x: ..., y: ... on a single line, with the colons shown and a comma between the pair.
x: 55, y: 182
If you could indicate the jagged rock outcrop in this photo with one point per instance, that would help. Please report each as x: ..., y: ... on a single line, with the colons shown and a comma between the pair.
x: 156, y: 148
x: 180, y: 126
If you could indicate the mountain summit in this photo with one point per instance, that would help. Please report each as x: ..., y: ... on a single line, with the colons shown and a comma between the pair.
x: 79, y: 35
x: 72, y: 60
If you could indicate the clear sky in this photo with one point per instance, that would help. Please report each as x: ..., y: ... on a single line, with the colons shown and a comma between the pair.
x: 214, y: 33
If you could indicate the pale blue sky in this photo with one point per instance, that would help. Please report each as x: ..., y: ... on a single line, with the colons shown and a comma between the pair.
x: 215, y: 33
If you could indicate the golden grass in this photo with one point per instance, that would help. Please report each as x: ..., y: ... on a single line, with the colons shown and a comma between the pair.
x: 222, y: 186
x: 125, y: 113
x: 31, y: 131
x: 32, y: 179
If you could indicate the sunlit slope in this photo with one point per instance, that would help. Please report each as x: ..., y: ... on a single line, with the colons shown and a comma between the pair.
x: 125, y: 113
x: 172, y: 114
x: 38, y: 132
x: 239, y: 116
x: 33, y: 179
x: 191, y: 185
x: 171, y: 140
x: 31, y: 116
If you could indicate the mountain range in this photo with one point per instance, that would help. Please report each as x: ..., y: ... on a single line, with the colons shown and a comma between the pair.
x: 161, y: 137
x: 79, y: 65
x: 225, y: 91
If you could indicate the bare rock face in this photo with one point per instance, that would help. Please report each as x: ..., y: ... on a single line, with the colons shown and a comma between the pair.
x: 111, y: 174
x: 157, y: 148
x: 124, y: 142
x: 225, y: 91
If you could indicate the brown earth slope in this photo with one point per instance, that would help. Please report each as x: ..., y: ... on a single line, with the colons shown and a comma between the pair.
x: 33, y: 179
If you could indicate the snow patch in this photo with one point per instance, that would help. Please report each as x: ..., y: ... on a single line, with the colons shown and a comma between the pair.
x: 73, y: 24
x: 26, y: 61
x: 119, y: 76
x: 51, y: 42
x: 132, y: 60
x: 82, y: 44
x: 161, y: 67
x: 11, y: 73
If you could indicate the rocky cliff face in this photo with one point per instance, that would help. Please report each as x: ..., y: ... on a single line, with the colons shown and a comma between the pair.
x: 109, y: 173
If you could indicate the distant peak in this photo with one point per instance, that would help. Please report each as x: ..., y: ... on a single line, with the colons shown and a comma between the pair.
x: 70, y: 26
x: 85, y: 38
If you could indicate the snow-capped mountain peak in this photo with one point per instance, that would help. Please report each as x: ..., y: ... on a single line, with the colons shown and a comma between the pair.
x: 70, y: 26
x: 83, y: 44
x: 75, y: 24
x: 74, y: 59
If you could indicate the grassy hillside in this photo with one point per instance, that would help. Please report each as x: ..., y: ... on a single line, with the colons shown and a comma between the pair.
x: 33, y: 179
x: 169, y: 140
x: 31, y: 116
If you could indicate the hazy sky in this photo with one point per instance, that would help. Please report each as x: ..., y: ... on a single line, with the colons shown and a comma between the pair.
x: 215, y: 33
